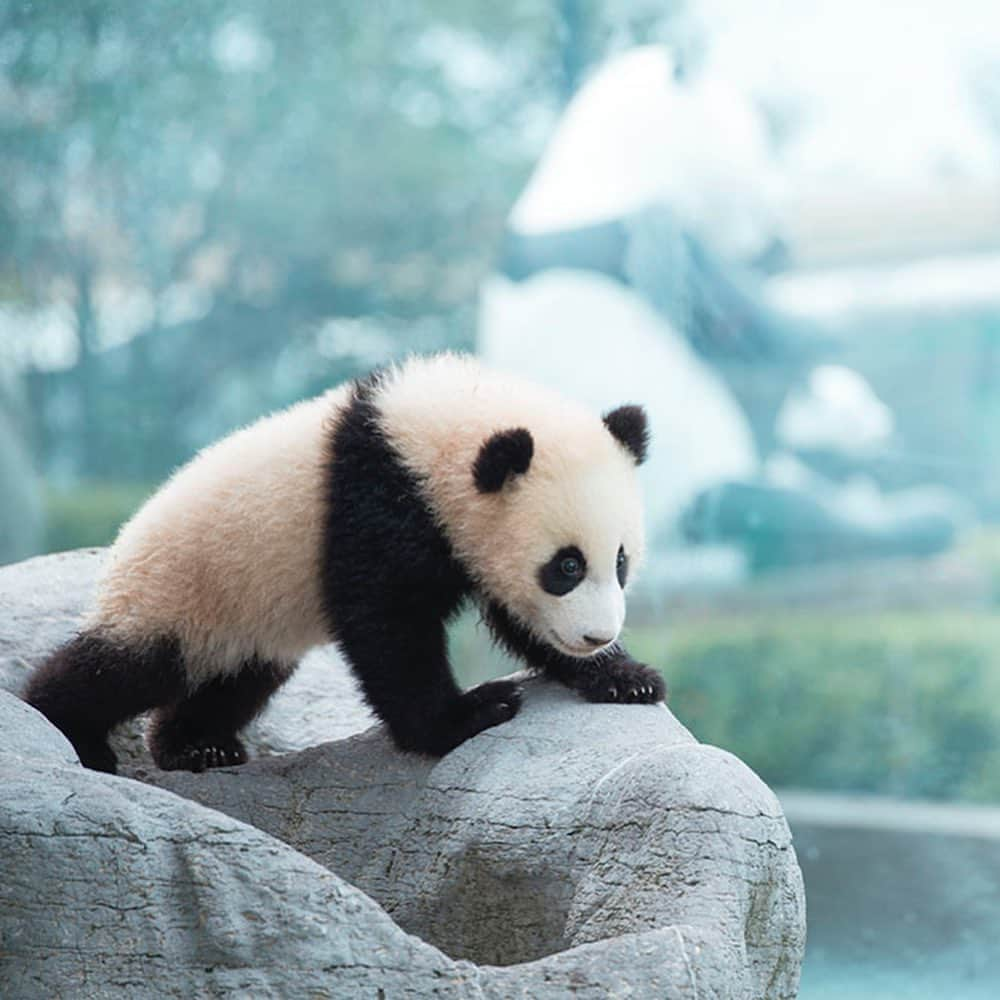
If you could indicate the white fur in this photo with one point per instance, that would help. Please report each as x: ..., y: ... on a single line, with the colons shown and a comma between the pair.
x: 581, y: 489
x: 595, y: 608
x: 226, y: 555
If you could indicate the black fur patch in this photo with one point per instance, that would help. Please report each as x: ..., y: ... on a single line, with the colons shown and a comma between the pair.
x: 518, y: 640
x: 505, y: 454
x: 553, y: 577
x: 94, y: 682
x: 390, y: 583
x: 628, y: 425
x: 608, y: 677
x: 200, y: 730
x: 611, y: 677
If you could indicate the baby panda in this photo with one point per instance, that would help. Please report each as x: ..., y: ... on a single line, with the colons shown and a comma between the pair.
x: 366, y: 516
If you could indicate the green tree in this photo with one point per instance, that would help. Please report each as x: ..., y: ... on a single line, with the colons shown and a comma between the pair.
x: 198, y: 198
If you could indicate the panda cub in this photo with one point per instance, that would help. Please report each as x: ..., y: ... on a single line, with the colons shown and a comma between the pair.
x: 366, y: 516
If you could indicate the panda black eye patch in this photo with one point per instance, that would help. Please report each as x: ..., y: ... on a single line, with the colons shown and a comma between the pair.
x: 563, y: 571
x: 621, y: 566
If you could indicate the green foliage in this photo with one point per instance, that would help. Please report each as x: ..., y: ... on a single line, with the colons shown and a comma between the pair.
x: 981, y: 550
x: 201, y: 190
x: 20, y: 503
x: 89, y: 514
x: 895, y: 704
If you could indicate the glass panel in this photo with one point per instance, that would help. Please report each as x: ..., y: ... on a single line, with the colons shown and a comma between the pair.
x: 775, y: 225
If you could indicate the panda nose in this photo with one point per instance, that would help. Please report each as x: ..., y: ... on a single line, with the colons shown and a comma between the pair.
x: 596, y: 641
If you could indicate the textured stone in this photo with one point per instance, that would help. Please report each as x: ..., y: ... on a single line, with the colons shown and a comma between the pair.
x: 578, y: 850
x: 570, y: 825
x: 115, y: 889
x: 26, y: 734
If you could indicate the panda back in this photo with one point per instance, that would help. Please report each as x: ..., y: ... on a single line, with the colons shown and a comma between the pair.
x: 226, y: 554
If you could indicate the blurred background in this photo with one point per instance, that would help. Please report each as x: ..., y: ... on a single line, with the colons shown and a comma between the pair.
x: 776, y: 225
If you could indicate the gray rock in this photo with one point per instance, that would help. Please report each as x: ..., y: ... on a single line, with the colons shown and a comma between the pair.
x: 579, y: 850
x: 26, y: 734
x: 573, y: 824
x: 115, y: 889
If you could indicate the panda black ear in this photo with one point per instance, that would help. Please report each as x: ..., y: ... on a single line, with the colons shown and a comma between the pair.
x: 505, y: 454
x: 629, y: 426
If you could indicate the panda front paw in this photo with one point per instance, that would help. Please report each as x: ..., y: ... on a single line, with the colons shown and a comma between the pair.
x: 490, y: 704
x: 437, y: 730
x: 481, y: 708
x: 625, y: 682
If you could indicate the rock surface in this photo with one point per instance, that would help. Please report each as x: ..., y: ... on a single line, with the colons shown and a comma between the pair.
x: 579, y: 850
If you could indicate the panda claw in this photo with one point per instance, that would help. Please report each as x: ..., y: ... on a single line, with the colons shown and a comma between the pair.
x: 197, y: 757
x: 623, y: 683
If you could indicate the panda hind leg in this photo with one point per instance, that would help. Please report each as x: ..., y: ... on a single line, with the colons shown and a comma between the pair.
x: 200, y: 729
x: 97, y: 680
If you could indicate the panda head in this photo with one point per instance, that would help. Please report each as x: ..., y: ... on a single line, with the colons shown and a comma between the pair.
x: 565, y: 517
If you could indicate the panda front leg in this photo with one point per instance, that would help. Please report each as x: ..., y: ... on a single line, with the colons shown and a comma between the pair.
x: 407, y: 680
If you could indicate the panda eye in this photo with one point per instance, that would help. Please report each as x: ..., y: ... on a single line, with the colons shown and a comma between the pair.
x: 563, y: 572
x: 621, y: 566
x: 570, y: 567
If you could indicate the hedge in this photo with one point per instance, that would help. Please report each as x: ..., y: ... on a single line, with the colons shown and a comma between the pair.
x: 897, y: 704
x: 89, y: 514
